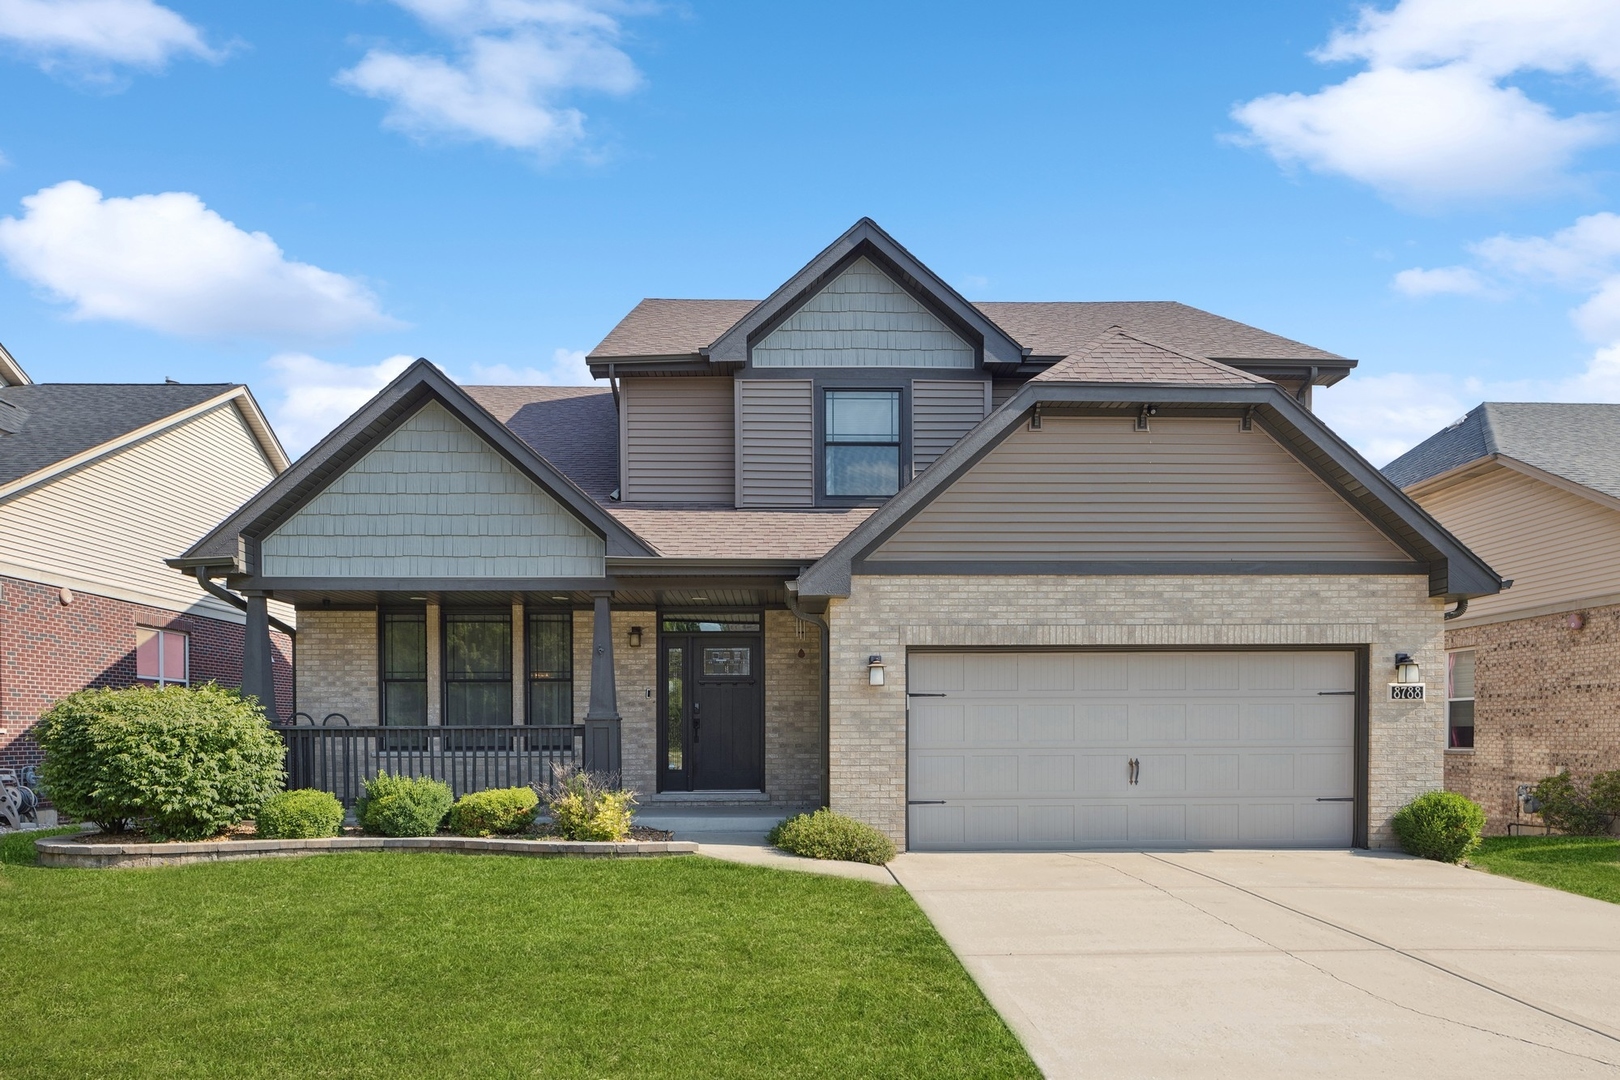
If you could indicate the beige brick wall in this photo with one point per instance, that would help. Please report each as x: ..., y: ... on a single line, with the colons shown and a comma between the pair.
x: 1547, y: 697
x: 635, y: 676
x: 792, y: 710
x: 336, y: 664
x: 889, y: 614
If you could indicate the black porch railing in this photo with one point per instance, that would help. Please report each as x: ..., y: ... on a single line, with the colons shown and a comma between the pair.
x: 341, y: 759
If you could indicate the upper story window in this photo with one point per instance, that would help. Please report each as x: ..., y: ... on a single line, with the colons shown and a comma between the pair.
x: 162, y: 656
x: 862, y: 443
x: 1460, y: 700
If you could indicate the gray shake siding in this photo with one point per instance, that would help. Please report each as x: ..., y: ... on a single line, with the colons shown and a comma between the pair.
x: 677, y: 444
x: 941, y: 413
x: 1096, y: 489
x: 432, y: 499
x: 776, y: 451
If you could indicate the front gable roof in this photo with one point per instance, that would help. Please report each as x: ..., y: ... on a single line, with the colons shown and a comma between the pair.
x: 866, y: 239
x: 231, y: 544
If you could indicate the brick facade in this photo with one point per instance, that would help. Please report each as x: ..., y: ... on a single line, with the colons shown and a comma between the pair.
x: 337, y: 664
x: 1547, y: 698
x: 49, y: 649
x: 887, y: 615
x: 793, y: 771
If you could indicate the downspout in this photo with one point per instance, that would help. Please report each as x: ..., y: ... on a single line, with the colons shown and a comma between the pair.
x: 613, y: 384
x: 222, y: 593
x: 1457, y: 612
x: 826, y: 686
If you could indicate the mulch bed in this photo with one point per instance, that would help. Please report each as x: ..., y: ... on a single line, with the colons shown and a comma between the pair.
x: 247, y: 832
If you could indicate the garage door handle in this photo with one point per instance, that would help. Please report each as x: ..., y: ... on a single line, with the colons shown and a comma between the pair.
x: 925, y: 802
x: 1347, y: 798
x: 1335, y: 693
x: 909, y: 694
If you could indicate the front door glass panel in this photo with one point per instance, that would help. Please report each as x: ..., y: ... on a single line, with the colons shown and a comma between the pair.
x: 675, y: 708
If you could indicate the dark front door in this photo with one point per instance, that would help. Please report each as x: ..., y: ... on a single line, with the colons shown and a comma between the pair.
x: 712, y: 734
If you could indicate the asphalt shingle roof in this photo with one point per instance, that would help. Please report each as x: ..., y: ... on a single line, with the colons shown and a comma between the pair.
x: 64, y: 419
x: 573, y: 427
x: 1580, y: 443
x: 1121, y: 357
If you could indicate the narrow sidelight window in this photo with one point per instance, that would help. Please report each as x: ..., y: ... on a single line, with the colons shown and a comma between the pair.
x: 1460, y: 700
x: 862, y: 443
x: 162, y: 656
x: 477, y: 669
x: 404, y: 669
x: 551, y: 668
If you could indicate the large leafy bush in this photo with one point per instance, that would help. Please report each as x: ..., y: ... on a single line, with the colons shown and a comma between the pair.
x: 191, y: 761
x: 826, y: 835
x: 498, y: 810
x: 1580, y: 810
x: 588, y: 807
x: 1440, y: 825
x: 403, y: 805
x: 304, y: 814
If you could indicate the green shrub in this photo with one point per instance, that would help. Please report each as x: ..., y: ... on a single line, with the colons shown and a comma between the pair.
x: 304, y: 814
x: 1576, y: 810
x: 499, y: 810
x: 1440, y: 825
x: 192, y: 761
x: 403, y: 805
x: 826, y: 835
x: 586, y: 807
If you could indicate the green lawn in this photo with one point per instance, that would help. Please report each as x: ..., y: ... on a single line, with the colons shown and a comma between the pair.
x: 1589, y: 865
x: 417, y: 964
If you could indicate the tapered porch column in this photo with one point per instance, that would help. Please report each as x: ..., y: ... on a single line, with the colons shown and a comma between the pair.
x: 258, y: 677
x: 602, y: 717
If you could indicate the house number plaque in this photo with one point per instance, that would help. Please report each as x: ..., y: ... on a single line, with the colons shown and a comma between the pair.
x: 1405, y: 691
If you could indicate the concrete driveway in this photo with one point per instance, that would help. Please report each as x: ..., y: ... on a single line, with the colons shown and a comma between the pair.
x: 1281, y: 964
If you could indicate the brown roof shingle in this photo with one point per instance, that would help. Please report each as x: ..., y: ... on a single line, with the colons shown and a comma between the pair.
x: 670, y: 327
x: 1121, y: 357
x: 720, y: 531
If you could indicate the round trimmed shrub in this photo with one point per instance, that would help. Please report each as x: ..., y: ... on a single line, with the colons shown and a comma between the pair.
x: 1439, y: 825
x: 403, y: 805
x: 498, y: 810
x: 826, y: 835
x: 304, y: 814
x: 191, y: 761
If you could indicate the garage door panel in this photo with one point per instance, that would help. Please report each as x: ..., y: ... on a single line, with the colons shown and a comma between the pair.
x: 1031, y: 750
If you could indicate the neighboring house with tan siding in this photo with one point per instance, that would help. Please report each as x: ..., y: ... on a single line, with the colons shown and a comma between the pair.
x: 1534, y: 672
x: 98, y: 483
x: 1019, y: 576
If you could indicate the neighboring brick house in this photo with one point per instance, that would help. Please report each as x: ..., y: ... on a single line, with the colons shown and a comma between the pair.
x: 1533, y: 674
x: 98, y: 484
x: 1022, y: 576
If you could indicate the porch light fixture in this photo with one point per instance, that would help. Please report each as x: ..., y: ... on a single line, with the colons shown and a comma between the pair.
x: 635, y: 637
x: 874, y: 670
x: 1406, y: 669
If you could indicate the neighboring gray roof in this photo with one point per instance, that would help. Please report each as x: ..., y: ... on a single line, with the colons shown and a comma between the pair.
x: 574, y: 427
x: 1580, y: 443
x: 681, y: 327
x: 64, y: 419
x: 1122, y: 357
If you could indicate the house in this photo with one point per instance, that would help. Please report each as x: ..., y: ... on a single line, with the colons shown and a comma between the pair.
x: 1533, y: 674
x: 99, y: 483
x: 1000, y: 575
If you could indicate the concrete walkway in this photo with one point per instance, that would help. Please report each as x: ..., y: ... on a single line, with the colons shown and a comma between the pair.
x: 1281, y: 964
x: 737, y: 834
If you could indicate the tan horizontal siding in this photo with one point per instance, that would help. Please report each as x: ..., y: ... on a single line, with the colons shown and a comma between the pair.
x: 111, y: 523
x: 941, y: 413
x: 1095, y: 489
x: 432, y: 499
x: 1556, y: 546
x: 678, y: 440
x: 776, y: 452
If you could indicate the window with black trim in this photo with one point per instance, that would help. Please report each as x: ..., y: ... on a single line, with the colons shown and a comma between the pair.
x: 861, y: 443
x: 1460, y: 700
x: 404, y: 669
x: 551, y: 668
x: 477, y: 668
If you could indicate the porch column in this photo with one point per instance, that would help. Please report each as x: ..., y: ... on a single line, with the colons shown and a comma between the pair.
x: 435, y: 675
x: 602, y: 717
x: 520, y: 665
x: 258, y: 677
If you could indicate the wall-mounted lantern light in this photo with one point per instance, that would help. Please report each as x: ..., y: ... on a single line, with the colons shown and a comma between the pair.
x: 874, y: 669
x: 635, y: 637
x: 1406, y: 669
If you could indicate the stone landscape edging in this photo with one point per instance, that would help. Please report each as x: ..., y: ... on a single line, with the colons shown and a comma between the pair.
x: 67, y: 851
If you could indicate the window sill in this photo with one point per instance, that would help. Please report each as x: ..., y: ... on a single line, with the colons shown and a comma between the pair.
x: 1460, y: 749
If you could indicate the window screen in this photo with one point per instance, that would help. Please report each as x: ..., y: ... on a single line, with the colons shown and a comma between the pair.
x: 551, y: 667
x: 404, y: 666
x: 477, y: 669
x: 862, y: 443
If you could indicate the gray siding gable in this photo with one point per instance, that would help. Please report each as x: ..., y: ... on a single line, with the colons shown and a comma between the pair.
x: 432, y: 499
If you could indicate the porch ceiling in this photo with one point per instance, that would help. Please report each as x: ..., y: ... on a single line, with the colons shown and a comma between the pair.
x: 640, y: 596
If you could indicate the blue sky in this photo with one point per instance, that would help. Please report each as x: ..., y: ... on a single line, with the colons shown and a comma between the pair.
x: 297, y: 195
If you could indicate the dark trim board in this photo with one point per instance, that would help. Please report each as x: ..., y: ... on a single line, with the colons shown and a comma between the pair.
x: 1361, y: 806
x: 1083, y: 568
x: 439, y: 585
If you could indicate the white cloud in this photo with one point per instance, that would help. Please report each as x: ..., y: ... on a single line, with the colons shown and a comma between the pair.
x: 1579, y: 255
x: 1432, y: 117
x: 88, y: 36
x: 567, y: 368
x: 514, y: 63
x: 1458, y: 280
x: 169, y: 263
x: 318, y: 395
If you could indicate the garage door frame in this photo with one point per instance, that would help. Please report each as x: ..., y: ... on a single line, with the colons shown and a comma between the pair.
x: 1360, y: 743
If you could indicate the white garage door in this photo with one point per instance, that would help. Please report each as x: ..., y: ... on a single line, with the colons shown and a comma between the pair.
x: 1055, y: 750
